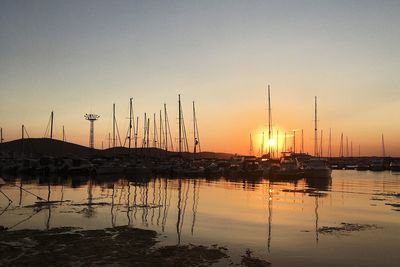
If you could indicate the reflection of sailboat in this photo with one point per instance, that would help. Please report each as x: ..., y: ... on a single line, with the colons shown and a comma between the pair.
x: 316, y: 219
x: 196, y: 196
x: 270, y: 190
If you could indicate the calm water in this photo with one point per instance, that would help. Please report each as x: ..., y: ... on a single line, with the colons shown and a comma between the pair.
x: 278, y: 220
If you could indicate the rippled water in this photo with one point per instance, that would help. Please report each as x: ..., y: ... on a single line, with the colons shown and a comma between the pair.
x: 277, y: 220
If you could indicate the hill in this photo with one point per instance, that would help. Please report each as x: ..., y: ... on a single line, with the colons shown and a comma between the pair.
x: 51, y: 147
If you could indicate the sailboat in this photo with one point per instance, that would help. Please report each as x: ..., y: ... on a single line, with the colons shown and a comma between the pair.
x: 316, y: 167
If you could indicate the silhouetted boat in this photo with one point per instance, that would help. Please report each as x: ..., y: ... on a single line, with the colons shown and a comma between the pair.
x: 288, y: 168
x: 317, y: 168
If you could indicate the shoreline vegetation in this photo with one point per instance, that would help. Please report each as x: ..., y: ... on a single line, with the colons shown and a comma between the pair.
x: 118, y: 246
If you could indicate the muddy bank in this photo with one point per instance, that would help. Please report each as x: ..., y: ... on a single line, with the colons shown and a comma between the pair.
x: 119, y: 246
x: 346, y: 228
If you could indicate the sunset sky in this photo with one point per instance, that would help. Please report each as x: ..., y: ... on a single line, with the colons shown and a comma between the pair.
x: 76, y: 57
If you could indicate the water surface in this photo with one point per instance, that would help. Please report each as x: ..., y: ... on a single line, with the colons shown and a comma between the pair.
x: 277, y: 220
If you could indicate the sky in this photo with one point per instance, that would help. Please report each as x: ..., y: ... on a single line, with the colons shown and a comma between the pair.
x: 78, y: 57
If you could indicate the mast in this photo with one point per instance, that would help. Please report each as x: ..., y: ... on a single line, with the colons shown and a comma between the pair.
x: 277, y: 147
x: 321, y: 143
x: 347, y: 146
x: 269, y: 121
x: 51, y: 125
x: 315, y: 130
x: 196, y: 138
x: 161, y: 132
x: 166, y: 126
x: 63, y: 137
x: 285, y: 142
x: 330, y: 143
x: 136, y: 129
x: 113, y: 125
x: 130, y: 122
x: 351, y: 148
x: 148, y: 132
x: 294, y: 141
x: 251, y: 146
x: 154, y: 131
x: 144, y: 130
x: 383, y: 147
x: 23, y: 130
x: 262, y: 144
x: 341, y: 150
x: 1, y: 135
x: 302, y: 141
x: 180, y: 124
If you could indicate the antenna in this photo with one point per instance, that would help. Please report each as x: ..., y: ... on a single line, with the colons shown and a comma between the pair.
x: 91, y: 118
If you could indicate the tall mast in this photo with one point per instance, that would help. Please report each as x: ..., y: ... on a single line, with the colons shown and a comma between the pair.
x: 63, y: 137
x: 195, y: 131
x: 136, y: 130
x: 347, y: 146
x: 294, y: 141
x: 341, y: 150
x: 180, y: 124
x: 277, y: 147
x: 285, y: 142
x: 113, y: 125
x: 315, y: 130
x: 130, y: 122
x: 321, y: 144
x: 251, y: 146
x: 269, y: 121
x: 148, y: 132
x: 262, y: 145
x: 330, y: 143
x: 351, y: 148
x: 144, y: 130
x: 51, y: 125
x: 383, y: 147
x: 302, y: 141
x: 23, y: 130
x: 154, y: 131
x: 1, y: 135
x: 161, y: 132
x: 166, y: 126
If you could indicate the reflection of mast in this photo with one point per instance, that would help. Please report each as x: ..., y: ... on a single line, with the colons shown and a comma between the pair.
x: 48, y: 206
x: 159, y: 201
x: 179, y: 211
x: 316, y: 219
x: 129, y: 206
x: 112, y: 206
x: 196, y: 195
x: 184, y: 205
x: 269, y: 215
x: 166, y: 207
